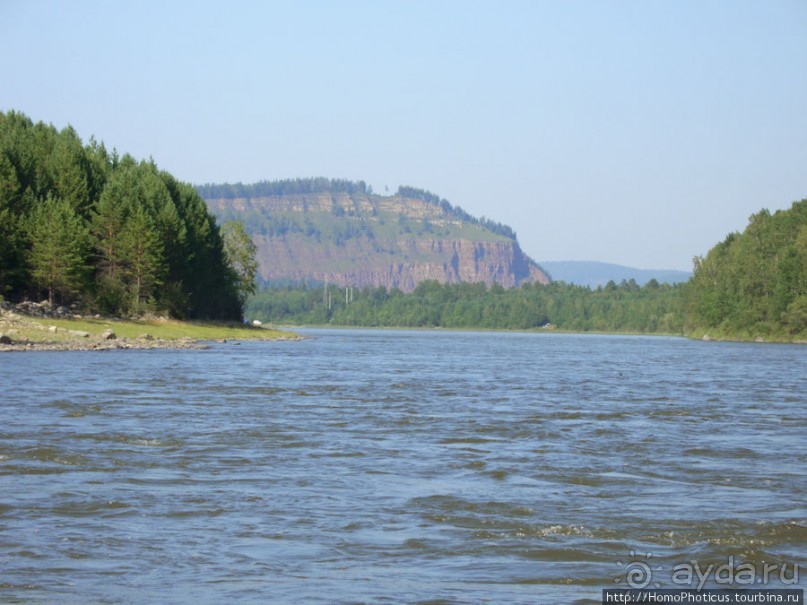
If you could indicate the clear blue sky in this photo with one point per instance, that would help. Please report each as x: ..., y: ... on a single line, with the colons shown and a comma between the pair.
x: 636, y: 132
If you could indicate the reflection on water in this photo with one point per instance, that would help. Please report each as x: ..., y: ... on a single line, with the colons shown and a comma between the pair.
x: 383, y: 466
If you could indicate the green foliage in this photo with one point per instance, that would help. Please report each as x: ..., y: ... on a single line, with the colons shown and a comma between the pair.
x: 108, y: 219
x: 11, y: 240
x: 240, y: 251
x: 754, y: 283
x: 625, y: 307
x: 795, y: 318
x: 120, y: 234
x: 67, y: 171
x: 60, y: 245
x: 143, y: 256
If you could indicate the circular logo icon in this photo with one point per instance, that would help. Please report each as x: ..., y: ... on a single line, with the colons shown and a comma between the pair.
x: 637, y: 574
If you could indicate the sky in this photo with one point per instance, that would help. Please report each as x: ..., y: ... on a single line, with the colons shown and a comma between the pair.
x: 637, y: 132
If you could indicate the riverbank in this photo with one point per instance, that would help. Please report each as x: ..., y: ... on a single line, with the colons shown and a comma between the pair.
x: 23, y: 332
x: 700, y: 334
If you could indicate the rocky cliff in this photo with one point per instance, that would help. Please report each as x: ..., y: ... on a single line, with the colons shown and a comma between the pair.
x: 360, y: 239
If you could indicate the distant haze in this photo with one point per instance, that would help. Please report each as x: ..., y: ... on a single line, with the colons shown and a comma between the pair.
x: 595, y: 274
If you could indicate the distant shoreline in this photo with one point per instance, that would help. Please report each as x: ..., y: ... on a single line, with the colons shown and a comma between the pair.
x: 704, y: 337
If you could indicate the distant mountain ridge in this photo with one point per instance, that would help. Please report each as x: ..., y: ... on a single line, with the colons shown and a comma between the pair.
x: 595, y: 274
x: 340, y: 232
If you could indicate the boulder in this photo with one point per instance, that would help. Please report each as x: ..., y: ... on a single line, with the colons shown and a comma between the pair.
x: 5, y: 339
x: 108, y: 335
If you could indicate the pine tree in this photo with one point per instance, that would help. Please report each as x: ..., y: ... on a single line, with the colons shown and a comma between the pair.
x: 108, y: 219
x: 67, y: 167
x: 141, y: 255
x: 60, y: 245
x: 11, y: 245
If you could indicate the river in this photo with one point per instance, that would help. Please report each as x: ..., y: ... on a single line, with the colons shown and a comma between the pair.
x: 381, y: 466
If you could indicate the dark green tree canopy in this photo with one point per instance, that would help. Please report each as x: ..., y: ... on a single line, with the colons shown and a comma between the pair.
x: 623, y: 308
x: 60, y: 248
x: 755, y: 282
x: 117, y: 235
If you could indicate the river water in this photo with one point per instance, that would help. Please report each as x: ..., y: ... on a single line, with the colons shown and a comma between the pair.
x: 363, y: 466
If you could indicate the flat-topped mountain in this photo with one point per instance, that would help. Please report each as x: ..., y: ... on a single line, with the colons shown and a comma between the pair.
x: 322, y: 230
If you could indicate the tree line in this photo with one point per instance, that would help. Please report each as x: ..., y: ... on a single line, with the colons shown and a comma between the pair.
x: 625, y: 307
x: 282, y: 187
x: 80, y: 224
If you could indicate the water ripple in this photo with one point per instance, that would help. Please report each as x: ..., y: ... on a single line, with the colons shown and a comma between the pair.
x: 382, y: 466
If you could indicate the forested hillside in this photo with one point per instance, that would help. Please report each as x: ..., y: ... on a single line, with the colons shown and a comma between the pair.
x: 81, y: 224
x: 754, y: 283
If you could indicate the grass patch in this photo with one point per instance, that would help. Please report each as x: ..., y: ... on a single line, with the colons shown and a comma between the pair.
x: 164, y: 329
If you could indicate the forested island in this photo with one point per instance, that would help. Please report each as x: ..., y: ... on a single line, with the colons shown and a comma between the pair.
x: 80, y: 225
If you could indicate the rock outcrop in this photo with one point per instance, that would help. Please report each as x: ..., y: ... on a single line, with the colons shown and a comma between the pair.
x: 367, y: 240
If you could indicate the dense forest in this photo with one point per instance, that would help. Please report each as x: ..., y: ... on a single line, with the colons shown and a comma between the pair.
x: 79, y: 224
x: 754, y: 283
x: 654, y: 308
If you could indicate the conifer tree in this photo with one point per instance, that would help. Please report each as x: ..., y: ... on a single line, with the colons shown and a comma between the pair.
x: 60, y: 245
x: 141, y: 256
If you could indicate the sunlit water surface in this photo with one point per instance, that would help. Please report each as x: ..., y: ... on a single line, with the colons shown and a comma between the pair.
x: 396, y: 466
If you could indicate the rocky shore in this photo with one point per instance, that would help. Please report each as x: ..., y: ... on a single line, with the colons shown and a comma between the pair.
x: 96, y: 346
x: 32, y: 327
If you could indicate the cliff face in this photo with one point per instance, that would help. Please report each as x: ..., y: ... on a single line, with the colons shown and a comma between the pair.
x: 356, y: 263
x: 366, y: 240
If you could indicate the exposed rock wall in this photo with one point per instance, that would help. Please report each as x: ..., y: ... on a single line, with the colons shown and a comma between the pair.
x: 447, y: 261
x: 363, y: 240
